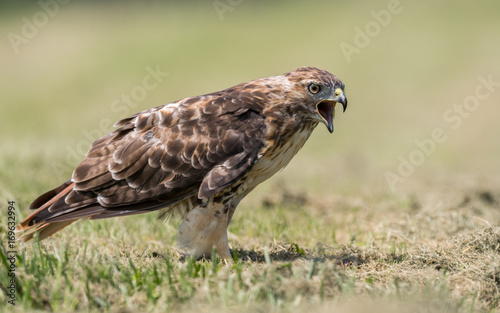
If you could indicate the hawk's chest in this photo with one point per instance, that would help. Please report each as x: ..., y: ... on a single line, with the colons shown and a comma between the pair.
x: 279, y: 154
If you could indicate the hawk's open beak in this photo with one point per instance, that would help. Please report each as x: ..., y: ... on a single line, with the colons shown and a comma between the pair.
x: 326, y: 108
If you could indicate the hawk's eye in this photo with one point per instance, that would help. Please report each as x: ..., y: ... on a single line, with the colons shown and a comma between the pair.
x: 314, y: 88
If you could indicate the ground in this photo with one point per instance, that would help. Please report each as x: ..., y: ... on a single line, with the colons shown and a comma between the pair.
x: 345, y: 252
x: 397, y: 211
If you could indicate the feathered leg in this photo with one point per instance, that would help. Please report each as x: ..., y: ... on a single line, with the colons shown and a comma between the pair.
x: 205, y: 228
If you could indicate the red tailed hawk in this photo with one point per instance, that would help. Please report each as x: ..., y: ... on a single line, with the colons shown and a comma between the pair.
x: 198, y: 156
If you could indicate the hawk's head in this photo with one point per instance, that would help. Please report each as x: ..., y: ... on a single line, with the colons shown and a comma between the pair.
x: 318, y: 91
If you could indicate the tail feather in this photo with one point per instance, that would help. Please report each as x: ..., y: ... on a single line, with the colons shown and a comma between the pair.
x: 33, y: 223
x: 43, y: 229
x: 46, y: 197
x: 30, y: 220
x: 58, y: 208
x: 53, y: 212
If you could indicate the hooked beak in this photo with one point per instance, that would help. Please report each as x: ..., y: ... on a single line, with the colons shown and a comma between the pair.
x: 326, y: 108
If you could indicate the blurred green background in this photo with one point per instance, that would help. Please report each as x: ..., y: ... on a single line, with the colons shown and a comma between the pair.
x: 61, y: 79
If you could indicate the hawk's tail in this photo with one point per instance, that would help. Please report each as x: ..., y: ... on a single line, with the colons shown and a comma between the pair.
x: 36, y: 222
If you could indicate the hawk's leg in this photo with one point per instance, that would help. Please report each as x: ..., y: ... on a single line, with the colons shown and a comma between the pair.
x: 205, y: 228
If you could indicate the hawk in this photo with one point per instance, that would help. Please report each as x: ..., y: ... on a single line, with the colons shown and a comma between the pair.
x: 199, y: 156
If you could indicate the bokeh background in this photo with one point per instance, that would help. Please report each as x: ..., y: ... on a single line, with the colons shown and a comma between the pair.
x: 65, y: 67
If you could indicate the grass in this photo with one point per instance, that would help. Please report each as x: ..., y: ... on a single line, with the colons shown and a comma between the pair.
x: 327, y: 233
x: 291, y: 262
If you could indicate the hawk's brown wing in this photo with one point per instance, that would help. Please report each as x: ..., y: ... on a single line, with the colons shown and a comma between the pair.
x: 196, y: 146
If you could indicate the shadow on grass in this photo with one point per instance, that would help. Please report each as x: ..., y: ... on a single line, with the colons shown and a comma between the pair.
x: 342, y: 255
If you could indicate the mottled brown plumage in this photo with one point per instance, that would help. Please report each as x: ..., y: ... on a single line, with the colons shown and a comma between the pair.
x: 199, y: 156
